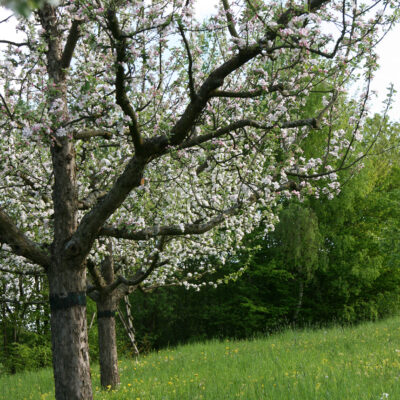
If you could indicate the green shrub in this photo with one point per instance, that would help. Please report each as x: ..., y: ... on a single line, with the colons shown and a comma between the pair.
x: 22, y: 356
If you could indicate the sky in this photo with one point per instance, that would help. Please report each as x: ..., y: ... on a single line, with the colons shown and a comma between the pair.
x: 388, y: 51
x: 389, y: 72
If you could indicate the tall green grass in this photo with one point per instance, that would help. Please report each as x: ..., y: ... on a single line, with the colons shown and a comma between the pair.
x: 353, y: 363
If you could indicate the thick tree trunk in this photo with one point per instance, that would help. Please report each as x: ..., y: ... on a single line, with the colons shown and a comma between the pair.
x: 69, y: 335
x: 67, y: 276
x: 109, y: 376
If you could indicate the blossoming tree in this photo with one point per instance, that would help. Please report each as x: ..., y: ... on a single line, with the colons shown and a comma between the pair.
x: 133, y: 126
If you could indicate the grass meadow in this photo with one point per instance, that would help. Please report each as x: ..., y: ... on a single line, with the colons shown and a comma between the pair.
x: 352, y: 363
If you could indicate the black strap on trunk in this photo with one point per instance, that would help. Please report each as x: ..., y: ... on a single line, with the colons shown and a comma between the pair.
x: 68, y: 300
x: 106, y: 314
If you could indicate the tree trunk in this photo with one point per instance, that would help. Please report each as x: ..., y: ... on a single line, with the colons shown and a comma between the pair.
x: 299, y: 301
x: 106, y: 304
x: 109, y: 376
x: 69, y: 334
x: 67, y: 276
x: 5, y: 342
x: 37, y: 319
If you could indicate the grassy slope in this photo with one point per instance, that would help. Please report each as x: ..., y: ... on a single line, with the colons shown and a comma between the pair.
x: 352, y: 363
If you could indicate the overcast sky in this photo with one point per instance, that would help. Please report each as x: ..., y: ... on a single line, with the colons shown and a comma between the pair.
x: 389, y: 72
x: 388, y: 50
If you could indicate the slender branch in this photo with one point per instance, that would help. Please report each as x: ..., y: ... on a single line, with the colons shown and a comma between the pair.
x: 356, y: 128
x: 120, y: 93
x: 221, y: 132
x: 6, y: 19
x: 149, y: 28
x: 6, y: 106
x: 131, y: 283
x: 14, y: 43
x: 249, y: 3
x: 231, y: 23
x: 245, y: 95
x: 326, y: 108
x: 311, y: 122
x: 190, y: 63
x: 20, y: 244
x: 338, y: 41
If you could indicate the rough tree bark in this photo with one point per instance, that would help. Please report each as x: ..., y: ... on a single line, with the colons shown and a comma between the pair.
x: 106, y: 305
x: 109, y: 376
x: 67, y: 277
x: 107, y: 298
x: 69, y: 335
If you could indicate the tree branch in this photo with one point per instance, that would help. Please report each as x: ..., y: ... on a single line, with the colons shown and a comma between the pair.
x: 14, y: 43
x: 20, y: 244
x: 96, y: 275
x: 6, y: 106
x: 216, y: 78
x: 91, y: 199
x: 190, y: 63
x: 311, y: 122
x: 245, y: 95
x: 89, y: 133
x: 81, y: 241
x: 130, y: 284
x: 120, y: 94
x: 169, y: 230
x: 149, y: 28
x: 72, y: 40
x: 213, y: 82
x: 231, y: 24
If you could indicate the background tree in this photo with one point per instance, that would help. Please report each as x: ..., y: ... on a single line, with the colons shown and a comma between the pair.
x: 119, y: 122
x: 24, y: 320
x: 356, y: 276
x: 298, y: 243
